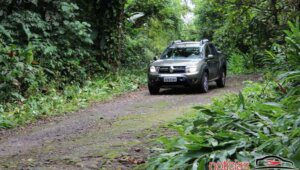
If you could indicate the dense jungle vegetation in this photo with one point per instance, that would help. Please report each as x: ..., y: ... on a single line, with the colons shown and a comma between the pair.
x: 58, y: 53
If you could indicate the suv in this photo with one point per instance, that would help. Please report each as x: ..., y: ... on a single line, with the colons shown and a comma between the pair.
x: 189, y: 64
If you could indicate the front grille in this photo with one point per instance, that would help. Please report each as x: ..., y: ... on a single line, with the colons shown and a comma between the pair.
x: 169, y: 70
x: 164, y: 69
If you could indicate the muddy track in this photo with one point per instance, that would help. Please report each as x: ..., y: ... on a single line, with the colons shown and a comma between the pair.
x: 104, y: 135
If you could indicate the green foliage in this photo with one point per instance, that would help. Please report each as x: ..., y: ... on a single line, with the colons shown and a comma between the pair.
x: 286, y: 56
x: 149, y: 35
x: 226, y: 129
x: 50, y: 49
x: 249, y: 27
x: 75, y: 40
x: 18, y: 77
x: 236, y: 63
x: 293, y: 45
x: 52, y: 33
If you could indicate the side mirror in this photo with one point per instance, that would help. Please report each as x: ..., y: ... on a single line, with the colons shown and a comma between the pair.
x: 155, y: 58
x: 210, y: 56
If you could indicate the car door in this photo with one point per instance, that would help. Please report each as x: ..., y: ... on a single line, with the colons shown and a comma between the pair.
x: 216, y: 59
x: 211, y: 62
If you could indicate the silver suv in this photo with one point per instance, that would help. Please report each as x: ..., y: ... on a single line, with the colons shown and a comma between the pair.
x: 189, y: 64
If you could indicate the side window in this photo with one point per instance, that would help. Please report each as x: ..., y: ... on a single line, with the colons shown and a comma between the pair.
x: 213, y: 49
x: 207, y: 51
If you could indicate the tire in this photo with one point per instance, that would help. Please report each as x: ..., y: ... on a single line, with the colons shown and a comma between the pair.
x: 222, y: 80
x: 153, y: 90
x: 204, y: 83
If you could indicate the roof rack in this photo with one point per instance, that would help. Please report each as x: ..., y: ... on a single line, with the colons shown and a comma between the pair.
x: 202, y: 42
x: 174, y: 42
x: 177, y: 41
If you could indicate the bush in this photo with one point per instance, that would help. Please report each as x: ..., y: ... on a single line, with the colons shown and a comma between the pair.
x: 61, y: 42
x: 19, y: 77
x: 236, y: 63
x: 243, y: 127
x: 286, y: 56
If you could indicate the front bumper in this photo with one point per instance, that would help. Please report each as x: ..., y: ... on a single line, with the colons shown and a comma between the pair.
x: 187, y: 80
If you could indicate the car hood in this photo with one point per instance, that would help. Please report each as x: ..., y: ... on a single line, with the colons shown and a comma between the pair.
x: 176, y: 62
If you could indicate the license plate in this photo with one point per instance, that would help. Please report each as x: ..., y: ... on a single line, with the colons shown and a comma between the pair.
x: 170, y: 79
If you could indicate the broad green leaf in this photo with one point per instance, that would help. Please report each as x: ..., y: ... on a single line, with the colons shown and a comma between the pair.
x: 201, y: 165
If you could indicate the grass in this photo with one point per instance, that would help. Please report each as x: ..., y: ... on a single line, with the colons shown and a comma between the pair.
x: 71, y: 98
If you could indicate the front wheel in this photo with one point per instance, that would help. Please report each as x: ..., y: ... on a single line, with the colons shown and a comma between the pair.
x: 204, y: 83
x: 222, y: 80
x: 153, y: 90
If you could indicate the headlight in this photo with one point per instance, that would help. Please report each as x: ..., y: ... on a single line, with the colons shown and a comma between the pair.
x: 153, y: 69
x: 192, y: 69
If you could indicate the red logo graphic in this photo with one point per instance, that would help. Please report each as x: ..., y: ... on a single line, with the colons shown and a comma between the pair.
x: 274, y: 162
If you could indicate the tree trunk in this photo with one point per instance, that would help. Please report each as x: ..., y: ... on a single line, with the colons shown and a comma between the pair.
x: 274, y: 11
x: 120, y: 30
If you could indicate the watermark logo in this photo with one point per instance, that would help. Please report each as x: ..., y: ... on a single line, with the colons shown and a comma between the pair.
x: 229, y: 165
x: 274, y: 162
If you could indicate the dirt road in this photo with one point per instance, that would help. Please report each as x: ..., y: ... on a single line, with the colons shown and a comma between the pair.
x: 111, y: 135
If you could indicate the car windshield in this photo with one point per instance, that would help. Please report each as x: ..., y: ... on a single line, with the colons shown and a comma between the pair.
x: 182, y: 53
